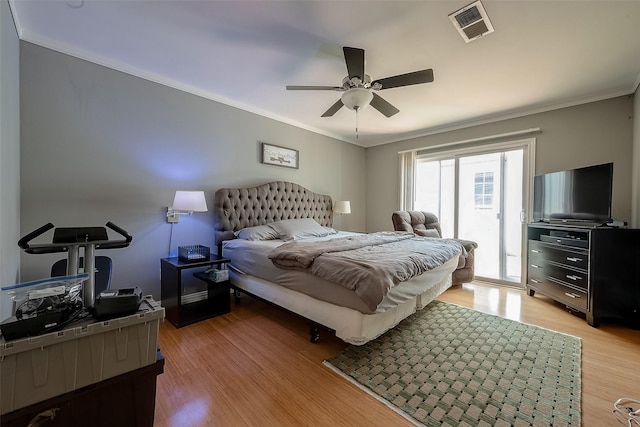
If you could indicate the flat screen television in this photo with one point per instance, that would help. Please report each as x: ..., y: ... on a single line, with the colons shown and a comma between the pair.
x: 574, y: 196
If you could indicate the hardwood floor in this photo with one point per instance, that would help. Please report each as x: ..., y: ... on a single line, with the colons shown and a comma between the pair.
x: 256, y: 366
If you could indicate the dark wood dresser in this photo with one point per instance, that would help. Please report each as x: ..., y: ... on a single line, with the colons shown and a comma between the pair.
x: 593, y: 270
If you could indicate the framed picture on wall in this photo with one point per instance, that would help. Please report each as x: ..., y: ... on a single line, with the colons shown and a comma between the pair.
x: 279, y: 156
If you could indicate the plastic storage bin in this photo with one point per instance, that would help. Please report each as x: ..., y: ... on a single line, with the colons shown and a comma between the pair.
x: 37, y: 368
x: 126, y: 400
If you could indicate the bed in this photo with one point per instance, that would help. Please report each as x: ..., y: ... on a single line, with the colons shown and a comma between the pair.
x: 242, y: 212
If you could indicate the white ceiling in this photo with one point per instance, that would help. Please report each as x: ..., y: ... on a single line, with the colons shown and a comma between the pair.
x: 542, y: 55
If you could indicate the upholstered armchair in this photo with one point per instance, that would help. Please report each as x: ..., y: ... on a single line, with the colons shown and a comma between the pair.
x: 427, y: 224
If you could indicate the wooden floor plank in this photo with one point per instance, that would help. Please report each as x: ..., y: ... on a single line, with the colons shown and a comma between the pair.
x: 256, y: 366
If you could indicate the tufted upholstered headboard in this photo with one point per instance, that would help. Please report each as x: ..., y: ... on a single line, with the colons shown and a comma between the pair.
x: 237, y: 208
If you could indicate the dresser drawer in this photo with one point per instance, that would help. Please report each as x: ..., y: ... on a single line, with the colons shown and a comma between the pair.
x: 571, y: 277
x: 544, y: 270
x: 564, y: 294
x: 573, y: 257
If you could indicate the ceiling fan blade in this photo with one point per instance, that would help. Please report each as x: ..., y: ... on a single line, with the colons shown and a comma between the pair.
x: 339, y: 88
x: 414, y: 78
x: 333, y: 109
x: 383, y: 106
x: 354, y: 58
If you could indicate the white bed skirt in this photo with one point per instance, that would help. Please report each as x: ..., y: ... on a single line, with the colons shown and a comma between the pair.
x: 350, y: 325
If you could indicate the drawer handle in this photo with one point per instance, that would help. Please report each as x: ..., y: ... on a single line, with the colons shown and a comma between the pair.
x: 572, y: 295
x: 573, y: 277
x: 535, y: 266
x: 535, y: 251
x: 574, y: 259
x: 534, y: 280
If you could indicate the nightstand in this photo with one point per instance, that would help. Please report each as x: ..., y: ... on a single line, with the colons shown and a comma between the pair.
x: 179, y: 312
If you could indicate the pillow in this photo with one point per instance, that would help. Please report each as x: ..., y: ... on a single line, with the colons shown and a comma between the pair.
x: 259, y: 232
x: 429, y: 232
x: 295, y: 229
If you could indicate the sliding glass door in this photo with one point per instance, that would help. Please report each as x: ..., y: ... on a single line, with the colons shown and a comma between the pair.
x: 480, y: 196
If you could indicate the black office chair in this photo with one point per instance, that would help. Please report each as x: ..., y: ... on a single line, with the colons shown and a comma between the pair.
x: 103, y: 266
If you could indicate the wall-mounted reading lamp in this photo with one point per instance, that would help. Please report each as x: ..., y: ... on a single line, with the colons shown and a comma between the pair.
x: 186, y: 203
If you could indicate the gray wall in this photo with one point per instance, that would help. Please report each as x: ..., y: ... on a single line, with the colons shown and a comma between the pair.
x: 99, y: 145
x: 635, y: 219
x: 9, y: 151
x: 598, y: 132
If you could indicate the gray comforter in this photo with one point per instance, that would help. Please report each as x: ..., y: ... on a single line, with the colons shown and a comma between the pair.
x: 369, y: 264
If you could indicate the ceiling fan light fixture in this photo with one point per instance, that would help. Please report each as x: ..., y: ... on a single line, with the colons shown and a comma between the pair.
x: 358, y: 91
x: 357, y: 98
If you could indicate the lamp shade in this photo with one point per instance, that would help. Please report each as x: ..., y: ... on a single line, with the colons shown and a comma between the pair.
x: 342, y: 207
x: 192, y: 201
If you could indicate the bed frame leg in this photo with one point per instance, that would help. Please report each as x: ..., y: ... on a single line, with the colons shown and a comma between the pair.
x: 314, y: 330
x: 236, y: 296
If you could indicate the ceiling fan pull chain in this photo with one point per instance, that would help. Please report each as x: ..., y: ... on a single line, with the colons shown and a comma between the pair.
x: 357, y: 110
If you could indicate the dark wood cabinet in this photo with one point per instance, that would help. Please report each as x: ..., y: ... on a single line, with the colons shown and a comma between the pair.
x: 595, y: 271
x: 179, y: 310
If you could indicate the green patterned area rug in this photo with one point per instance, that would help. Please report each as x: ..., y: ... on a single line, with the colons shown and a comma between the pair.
x: 448, y: 365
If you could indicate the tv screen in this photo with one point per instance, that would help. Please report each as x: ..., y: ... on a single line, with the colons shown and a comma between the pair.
x: 577, y: 195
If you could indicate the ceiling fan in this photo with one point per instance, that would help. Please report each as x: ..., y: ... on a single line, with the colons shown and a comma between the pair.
x: 359, y: 90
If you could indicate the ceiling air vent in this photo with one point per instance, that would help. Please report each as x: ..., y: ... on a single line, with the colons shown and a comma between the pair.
x: 472, y: 21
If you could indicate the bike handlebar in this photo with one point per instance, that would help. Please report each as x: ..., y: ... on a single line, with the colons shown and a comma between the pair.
x: 46, y: 248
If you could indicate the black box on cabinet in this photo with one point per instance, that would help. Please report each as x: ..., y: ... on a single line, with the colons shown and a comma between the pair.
x: 194, y: 253
x: 567, y: 241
